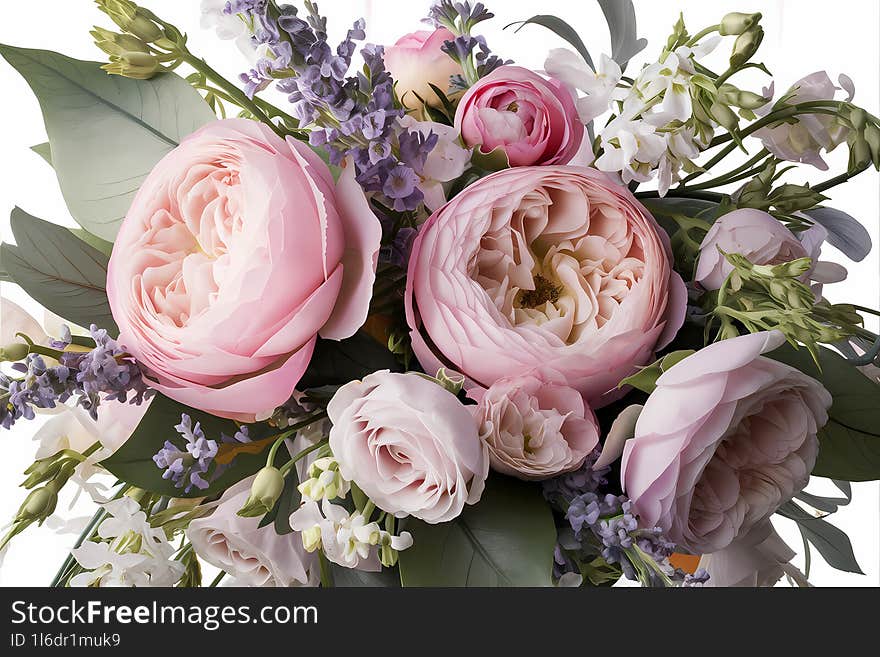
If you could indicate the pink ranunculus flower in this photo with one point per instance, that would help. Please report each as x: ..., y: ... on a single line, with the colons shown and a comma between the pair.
x: 535, y: 429
x: 409, y: 444
x: 533, y: 120
x: 237, y: 251
x: 416, y: 62
x: 253, y: 555
x: 805, y: 139
x: 553, y: 270
x: 725, y: 439
x: 762, y: 239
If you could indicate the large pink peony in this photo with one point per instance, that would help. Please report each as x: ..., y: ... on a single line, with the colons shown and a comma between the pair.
x: 533, y: 120
x: 555, y: 271
x: 237, y: 251
x: 725, y: 439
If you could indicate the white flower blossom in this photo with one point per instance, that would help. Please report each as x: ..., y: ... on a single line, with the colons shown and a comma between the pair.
x: 571, y: 69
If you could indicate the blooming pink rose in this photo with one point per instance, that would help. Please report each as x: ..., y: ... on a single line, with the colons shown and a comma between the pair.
x: 725, y: 439
x: 552, y: 270
x: 535, y: 430
x: 237, y: 251
x: 533, y: 120
x: 416, y: 62
x: 762, y: 239
x: 253, y: 555
x: 409, y: 444
x: 804, y: 140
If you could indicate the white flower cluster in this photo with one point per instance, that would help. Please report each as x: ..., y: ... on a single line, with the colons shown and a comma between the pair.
x: 131, y: 552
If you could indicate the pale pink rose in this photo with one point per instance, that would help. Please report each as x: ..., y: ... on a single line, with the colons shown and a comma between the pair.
x: 762, y: 239
x: 409, y: 444
x: 237, y: 251
x: 551, y: 270
x: 534, y: 429
x: 253, y: 555
x: 725, y: 439
x: 533, y: 120
x: 804, y: 140
x: 416, y: 62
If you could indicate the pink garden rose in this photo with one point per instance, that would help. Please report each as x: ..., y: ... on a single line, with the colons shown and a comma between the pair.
x: 237, y: 251
x: 253, y: 555
x: 551, y: 271
x: 762, y: 239
x: 804, y: 140
x: 725, y: 439
x: 533, y: 120
x: 409, y: 444
x: 535, y: 430
x: 416, y: 62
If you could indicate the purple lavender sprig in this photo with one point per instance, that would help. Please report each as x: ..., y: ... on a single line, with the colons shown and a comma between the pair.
x: 104, y: 372
x: 346, y: 115
x: 194, y: 465
x: 471, y: 52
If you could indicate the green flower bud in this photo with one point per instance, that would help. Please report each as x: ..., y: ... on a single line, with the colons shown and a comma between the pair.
x: 388, y: 556
x: 736, y: 23
x: 113, y: 43
x: 749, y: 100
x: 859, y: 153
x: 38, y: 505
x: 265, y: 491
x: 311, y: 538
x: 135, y: 65
x: 14, y: 352
x: 131, y: 19
x: 725, y: 116
x: 746, y: 45
x: 872, y: 138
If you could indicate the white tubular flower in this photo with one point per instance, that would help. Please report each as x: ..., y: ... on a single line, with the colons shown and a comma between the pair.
x: 347, y: 540
x: 571, y: 69
x: 132, y: 554
x: 325, y: 481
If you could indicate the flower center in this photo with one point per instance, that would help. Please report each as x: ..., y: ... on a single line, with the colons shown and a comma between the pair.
x: 544, y: 291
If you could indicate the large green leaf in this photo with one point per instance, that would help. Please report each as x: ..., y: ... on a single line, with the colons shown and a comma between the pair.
x: 351, y: 578
x: 106, y: 132
x: 58, y: 270
x: 621, y: 18
x: 338, y: 362
x: 507, y: 539
x: 561, y: 29
x: 849, y: 445
x: 832, y: 543
x: 133, y: 462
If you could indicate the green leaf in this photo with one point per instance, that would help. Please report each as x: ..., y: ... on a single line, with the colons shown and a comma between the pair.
x: 351, y: 578
x: 133, y: 462
x: 849, y: 445
x: 338, y: 362
x: 646, y: 378
x: 106, y: 132
x: 495, y: 160
x: 507, y: 539
x: 561, y: 29
x: 621, y: 18
x: 103, y: 246
x: 832, y: 543
x: 60, y: 271
x: 44, y: 150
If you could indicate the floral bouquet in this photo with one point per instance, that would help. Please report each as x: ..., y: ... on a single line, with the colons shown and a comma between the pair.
x: 427, y: 322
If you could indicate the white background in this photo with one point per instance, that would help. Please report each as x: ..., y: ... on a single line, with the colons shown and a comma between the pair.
x: 803, y: 36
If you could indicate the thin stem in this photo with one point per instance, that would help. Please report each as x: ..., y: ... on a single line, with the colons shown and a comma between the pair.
x: 757, y: 158
x: 308, y: 450
x: 701, y: 34
x: 217, y: 579
x: 239, y: 97
x: 839, y: 180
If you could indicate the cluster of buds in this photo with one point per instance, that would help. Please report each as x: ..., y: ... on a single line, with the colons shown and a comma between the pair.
x: 40, y: 502
x: 773, y: 297
x: 145, y: 47
x: 863, y: 140
x: 749, y: 35
x: 783, y: 201
x: 325, y: 481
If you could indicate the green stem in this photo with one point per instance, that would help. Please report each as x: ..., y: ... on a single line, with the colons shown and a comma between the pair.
x: 289, y: 432
x: 702, y: 34
x: 715, y: 181
x: 217, y: 579
x: 308, y: 450
x: 715, y: 197
x: 326, y: 577
x: 839, y: 180
x: 238, y: 96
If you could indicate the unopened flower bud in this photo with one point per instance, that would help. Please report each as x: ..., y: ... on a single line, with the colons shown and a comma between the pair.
x: 135, y: 65
x: 736, y: 23
x: 725, y: 116
x: 117, y: 44
x: 872, y: 138
x: 859, y: 153
x: 38, y: 505
x: 131, y: 18
x: 265, y: 491
x: 749, y: 100
x: 746, y: 45
x: 14, y: 352
x: 311, y: 538
x: 325, y: 481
